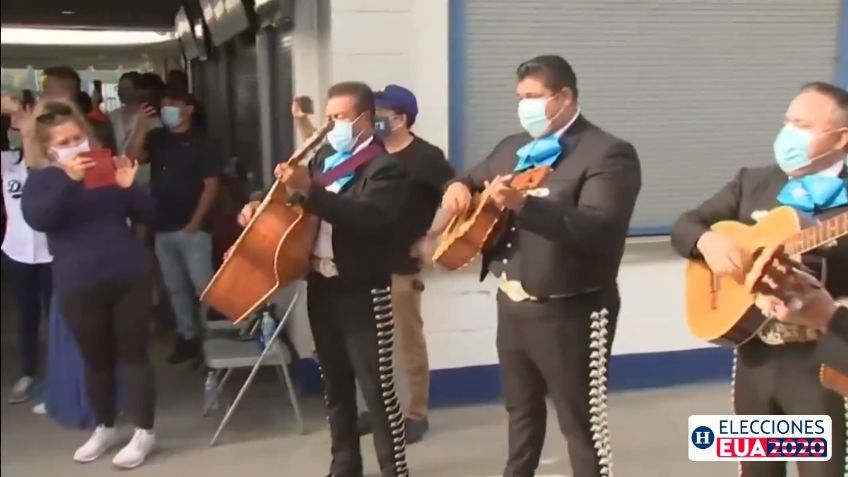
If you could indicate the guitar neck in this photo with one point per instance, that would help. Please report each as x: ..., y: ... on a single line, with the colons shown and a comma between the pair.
x: 814, y: 237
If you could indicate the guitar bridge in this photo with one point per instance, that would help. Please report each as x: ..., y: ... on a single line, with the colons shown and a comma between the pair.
x: 714, y: 292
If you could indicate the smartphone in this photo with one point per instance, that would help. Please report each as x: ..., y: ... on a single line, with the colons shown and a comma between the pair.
x: 27, y: 98
x: 306, y: 105
x: 98, y: 86
x: 103, y: 172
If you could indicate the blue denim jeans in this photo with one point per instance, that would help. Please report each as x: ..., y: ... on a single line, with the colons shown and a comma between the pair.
x: 186, y: 263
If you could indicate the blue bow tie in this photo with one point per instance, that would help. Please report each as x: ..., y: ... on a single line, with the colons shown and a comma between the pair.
x: 334, y: 161
x: 814, y: 193
x: 539, y: 152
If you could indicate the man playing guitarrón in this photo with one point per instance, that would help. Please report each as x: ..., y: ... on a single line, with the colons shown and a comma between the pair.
x: 349, y: 292
x: 557, y: 260
x: 777, y: 372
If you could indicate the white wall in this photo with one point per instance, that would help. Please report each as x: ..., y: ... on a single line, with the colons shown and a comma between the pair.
x: 378, y: 42
x: 406, y: 42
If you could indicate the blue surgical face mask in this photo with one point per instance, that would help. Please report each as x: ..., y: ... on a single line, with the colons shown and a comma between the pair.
x: 532, y: 115
x: 341, y: 136
x: 171, y: 116
x: 792, y: 148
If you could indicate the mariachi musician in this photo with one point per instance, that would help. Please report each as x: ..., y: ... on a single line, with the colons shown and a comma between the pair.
x: 777, y: 372
x: 557, y: 263
x: 349, y: 284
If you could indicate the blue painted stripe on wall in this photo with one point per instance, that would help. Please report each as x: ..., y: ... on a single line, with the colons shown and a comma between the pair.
x: 842, y: 66
x: 479, y: 384
x: 456, y: 83
x: 649, y: 231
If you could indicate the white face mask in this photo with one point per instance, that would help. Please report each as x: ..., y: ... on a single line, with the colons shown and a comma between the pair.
x: 64, y: 154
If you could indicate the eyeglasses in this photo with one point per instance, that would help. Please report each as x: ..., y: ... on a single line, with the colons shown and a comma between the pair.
x: 54, y: 112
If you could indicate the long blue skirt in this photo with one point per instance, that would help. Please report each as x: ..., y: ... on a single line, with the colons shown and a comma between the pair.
x: 64, y: 389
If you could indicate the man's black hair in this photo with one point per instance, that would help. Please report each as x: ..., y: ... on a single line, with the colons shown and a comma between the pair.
x: 178, y: 79
x: 65, y: 73
x: 151, y: 82
x: 837, y: 94
x: 83, y: 100
x: 361, y: 93
x: 133, y: 77
x: 553, y: 70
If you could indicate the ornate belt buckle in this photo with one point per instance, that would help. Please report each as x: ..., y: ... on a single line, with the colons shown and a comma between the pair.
x: 327, y: 268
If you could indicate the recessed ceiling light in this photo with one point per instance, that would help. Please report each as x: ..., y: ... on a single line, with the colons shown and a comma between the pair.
x: 68, y: 12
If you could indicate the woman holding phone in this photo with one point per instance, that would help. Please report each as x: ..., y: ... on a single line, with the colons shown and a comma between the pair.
x: 99, y: 267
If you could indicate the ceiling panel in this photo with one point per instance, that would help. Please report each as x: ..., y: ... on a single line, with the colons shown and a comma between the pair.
x: 135, y: 14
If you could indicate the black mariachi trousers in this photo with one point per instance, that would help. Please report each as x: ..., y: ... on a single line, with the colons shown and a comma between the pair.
x: 353, y: 332
x: 558, y: 348
x: 784, y: 379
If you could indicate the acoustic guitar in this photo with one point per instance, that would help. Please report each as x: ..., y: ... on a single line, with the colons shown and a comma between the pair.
x: 721, y: 309
x: 272, y: 251
x: 469, y: 234
x: 785, y: 281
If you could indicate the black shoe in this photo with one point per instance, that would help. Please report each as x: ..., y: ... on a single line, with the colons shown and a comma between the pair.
x: 184, y: 350
x: 363, y: 424
x: 415, y: 429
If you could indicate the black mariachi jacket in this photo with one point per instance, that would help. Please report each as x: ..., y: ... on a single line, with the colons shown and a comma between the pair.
x: 568, y: 239
x: 364, y: 214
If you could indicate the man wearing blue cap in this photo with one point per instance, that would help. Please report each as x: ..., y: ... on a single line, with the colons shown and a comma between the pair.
x: 429, y: 171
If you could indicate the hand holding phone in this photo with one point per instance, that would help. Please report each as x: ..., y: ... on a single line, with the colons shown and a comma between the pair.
x: 102, y: 172
x: 302, y: 106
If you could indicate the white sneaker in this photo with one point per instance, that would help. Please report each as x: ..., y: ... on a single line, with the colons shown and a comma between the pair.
x: 134, y: 453
x: 40, y: 409
x: 21, y: 389
x: 99, y: 442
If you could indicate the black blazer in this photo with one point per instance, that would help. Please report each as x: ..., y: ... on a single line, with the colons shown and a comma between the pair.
x: 571, y: 240
x: 363, y: 214
x: 833, y: 347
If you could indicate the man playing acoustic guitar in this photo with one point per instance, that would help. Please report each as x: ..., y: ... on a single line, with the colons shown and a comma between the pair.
x: 557, y: 261
x: 777, y: 371
x: 349, y: 283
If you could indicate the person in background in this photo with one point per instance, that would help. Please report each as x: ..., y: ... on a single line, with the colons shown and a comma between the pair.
x: 28, y: 259
x: 178, y: 81
x: 185, y: 168
x: 63, y: 82
x: 809, y: 174
x: 429, y: 173
x: 98, y: 270
x: 124, y: 118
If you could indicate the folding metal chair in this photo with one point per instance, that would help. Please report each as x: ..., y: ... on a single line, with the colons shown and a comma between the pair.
x: 224, y: 354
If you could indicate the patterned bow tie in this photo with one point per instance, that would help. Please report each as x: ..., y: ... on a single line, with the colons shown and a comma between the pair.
x: 814, y: 193
x: 540, y: 152
x: 334, y: 161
